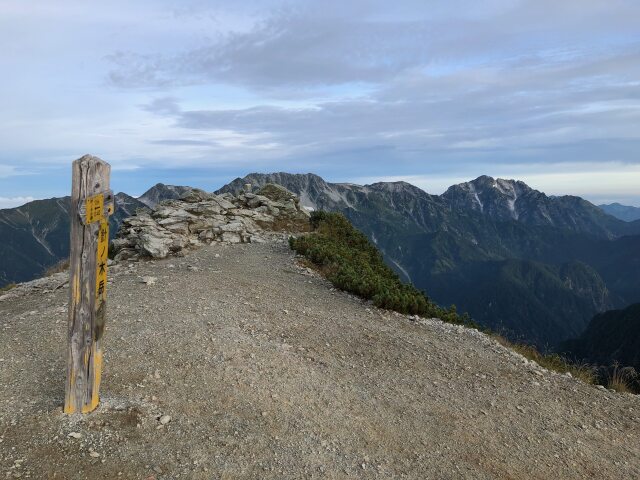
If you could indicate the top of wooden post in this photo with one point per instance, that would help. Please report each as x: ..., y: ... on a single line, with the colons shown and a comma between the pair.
x: 85, y: 168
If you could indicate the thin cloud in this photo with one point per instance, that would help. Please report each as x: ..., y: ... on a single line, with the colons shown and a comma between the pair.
x: 12, y: 202
x: 182, y: 142
x: 7, y: 171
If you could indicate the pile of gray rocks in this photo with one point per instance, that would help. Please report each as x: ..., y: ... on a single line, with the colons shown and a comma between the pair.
x: 199, y: 218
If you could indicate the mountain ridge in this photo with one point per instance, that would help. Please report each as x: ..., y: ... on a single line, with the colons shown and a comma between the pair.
x: 622, y: 212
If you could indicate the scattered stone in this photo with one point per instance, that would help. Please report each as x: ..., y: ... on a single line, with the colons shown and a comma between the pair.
x: 75, y: 435
x: 148, y: 280
x: 164, y: 419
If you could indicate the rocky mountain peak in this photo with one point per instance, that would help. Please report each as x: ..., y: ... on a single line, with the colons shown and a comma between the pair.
x: 498, y: 198
x: 396, y: 187
x: 505, y: 200
x: 160, y: 192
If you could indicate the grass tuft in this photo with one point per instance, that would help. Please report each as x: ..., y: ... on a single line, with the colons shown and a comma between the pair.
x: 551, y: 361
x: 61, y: 266
x: 7, y: 287
x: 622, y: 379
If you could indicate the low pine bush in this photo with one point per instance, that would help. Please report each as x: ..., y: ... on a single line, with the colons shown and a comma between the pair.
x: 349, y: 261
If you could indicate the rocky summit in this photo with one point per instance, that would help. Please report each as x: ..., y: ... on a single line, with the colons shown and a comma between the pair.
x: 199, y: 218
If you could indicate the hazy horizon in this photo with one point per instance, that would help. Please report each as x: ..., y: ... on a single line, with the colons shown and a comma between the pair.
x: 198, y: 92
x: 432, y: 186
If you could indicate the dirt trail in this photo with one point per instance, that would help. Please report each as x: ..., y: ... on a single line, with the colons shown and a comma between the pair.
x: 266, y: 372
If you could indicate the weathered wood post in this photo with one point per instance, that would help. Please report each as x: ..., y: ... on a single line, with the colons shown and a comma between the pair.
x: 91, y: 204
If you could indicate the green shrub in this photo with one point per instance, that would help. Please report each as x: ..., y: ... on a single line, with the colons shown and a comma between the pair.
x: 348, y: 260
x: 61, y: 266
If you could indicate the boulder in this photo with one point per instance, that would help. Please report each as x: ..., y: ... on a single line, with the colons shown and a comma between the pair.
x: 154, y: 244
x: 196, y: 195
x: 205, y: 208
x: 232, y: 227
x: 231, y: 237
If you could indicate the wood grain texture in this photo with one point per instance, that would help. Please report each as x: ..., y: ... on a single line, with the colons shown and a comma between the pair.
x: 84, y: 356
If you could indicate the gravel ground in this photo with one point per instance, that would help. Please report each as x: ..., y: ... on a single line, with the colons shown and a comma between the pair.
x: 267, y: 372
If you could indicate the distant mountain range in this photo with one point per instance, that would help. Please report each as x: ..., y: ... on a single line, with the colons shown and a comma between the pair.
x: 532, y: 266
x: 623, y: 212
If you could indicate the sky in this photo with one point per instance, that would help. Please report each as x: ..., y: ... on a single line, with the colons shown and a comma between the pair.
x: 199, y: 92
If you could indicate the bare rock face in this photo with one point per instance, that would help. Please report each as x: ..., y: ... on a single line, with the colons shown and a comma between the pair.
x: 200, y: 218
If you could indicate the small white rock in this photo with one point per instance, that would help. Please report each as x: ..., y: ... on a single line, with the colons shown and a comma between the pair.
x: 164, y: 419
x: 75, y: 435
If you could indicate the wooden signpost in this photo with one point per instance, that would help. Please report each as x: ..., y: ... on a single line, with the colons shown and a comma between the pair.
x: 91, y: 204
